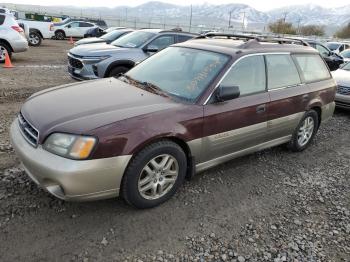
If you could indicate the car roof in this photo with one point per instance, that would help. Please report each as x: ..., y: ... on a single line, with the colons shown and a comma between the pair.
x: 233, y: 47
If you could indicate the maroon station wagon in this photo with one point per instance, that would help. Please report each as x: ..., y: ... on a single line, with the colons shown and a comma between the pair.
x: 189, y: 107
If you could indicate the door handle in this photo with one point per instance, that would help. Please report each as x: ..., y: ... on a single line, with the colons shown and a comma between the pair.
x: 305, y: 97
x: 261, y: 109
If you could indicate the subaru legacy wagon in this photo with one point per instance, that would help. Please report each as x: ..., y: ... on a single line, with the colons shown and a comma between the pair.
x: 185, y: 109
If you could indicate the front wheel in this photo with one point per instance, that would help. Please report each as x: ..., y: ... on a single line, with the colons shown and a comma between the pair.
x: 34, y: 39
x: 60, y: 35
x: 117, y: 71
x: 305, y: 132
x: 154, y: 175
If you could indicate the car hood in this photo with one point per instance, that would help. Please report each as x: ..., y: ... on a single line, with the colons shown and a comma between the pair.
x: 342, y: 77
x: 90, y: 40
x: 97, y: 50
x: 82, y: 107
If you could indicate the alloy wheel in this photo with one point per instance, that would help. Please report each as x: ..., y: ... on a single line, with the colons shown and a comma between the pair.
x: 158, y: 177
x: 34, y: 39
x: 305, y: 131
x: 3, y: 52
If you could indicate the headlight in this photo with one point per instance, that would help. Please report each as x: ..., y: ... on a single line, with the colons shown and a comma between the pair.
x: 95, y: 58
x: 70, y: 146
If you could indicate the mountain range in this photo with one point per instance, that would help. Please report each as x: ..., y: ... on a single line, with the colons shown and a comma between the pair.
x: 210, y: 14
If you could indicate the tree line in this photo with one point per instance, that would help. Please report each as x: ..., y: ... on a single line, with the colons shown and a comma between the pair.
x: 282, y: 27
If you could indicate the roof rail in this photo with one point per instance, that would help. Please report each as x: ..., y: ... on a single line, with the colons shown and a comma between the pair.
x: 257, y: 38
x: 229, y: 36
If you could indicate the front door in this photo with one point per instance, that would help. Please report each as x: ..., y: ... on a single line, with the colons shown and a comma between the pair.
x: 240, y: 123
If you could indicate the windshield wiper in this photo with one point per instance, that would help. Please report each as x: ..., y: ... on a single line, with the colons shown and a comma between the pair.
x: 144, y: 85
x: 153, y: 88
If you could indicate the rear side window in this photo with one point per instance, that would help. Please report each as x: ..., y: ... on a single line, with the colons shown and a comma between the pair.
x: 248, y: 74
x: 183, y: 38
x: 313, y: 67
x: 83, y: 24
x: 2, y: 19
x: 281, y: 71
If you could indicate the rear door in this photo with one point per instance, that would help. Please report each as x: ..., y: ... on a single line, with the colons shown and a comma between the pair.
x: 240, y: 123
x: 289, y: 96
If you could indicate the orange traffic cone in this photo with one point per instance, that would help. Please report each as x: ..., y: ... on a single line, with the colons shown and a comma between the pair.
x: 8, y: 63
x: 71, y: 41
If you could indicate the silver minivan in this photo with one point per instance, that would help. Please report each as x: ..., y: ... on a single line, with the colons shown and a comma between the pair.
x: 12, y: 37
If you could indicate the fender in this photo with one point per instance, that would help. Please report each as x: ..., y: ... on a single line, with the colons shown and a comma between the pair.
x: 127, y: 63
x: 34, y: 30
x: 8, y: 44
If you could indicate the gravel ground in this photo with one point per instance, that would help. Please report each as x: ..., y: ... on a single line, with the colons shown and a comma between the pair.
x: 270, y: 206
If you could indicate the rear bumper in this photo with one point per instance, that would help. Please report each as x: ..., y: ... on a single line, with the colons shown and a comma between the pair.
x: 19, y: 45
x: 69, y: 179
x: 342, y: 101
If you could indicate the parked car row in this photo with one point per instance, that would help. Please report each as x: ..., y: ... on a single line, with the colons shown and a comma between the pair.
x: 192, y: 105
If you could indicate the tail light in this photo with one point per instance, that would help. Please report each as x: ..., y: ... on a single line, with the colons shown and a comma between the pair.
x: 51, y: 27
x: 17, y: 28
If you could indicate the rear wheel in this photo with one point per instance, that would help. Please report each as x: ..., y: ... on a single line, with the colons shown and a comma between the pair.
x: 154, y: 175
x: 305, y: 132
x: 34, y: 39
x: 4, y: 48
x: 117, y: 71
x: 60, y: 35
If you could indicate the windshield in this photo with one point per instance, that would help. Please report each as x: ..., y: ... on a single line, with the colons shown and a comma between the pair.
x: 345, y: 54
x: 346, y: 66
x: 134, y: 39
x: 179, y: 72
x: 333, y: 46
x: 112, y: 35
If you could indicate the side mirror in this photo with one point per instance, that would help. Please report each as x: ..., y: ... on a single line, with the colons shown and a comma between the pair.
x: 151, y: 49
x: 68, y: 26
x: 225, y: 93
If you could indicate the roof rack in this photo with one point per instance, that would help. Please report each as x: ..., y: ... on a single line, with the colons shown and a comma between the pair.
x: 257, y: 38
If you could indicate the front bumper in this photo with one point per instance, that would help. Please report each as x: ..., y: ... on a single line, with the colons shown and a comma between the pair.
x: 69, y: 179
x: 84, y: 72
x: 342, y: 101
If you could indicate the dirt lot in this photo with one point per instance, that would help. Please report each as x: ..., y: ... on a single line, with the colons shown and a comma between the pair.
x: 271, y: 206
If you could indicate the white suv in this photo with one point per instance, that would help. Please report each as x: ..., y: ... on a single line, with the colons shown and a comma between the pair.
x: 74, y: 29
x: 12, y: 37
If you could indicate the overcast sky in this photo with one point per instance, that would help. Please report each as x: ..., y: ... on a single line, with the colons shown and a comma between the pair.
x: 260, y: 5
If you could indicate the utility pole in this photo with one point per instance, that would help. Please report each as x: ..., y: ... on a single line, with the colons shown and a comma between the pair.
x: 190, y: 20
x: 243, y: 21
x: 229, y: 20
x: 299, y: 21
x: 126, y: 14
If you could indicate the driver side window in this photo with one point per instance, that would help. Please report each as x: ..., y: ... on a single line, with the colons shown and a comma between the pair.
x: 248, y: 74
x: 74, y: 24
x: 323, y: 51
x: 162, y: 42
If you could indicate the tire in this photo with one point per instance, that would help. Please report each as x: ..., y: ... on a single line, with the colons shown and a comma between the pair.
x: 4, y: 48
x: 147, y: 189
x: 303, y: 135
x: 60, y: 35
x: 115, y: 72
x: 34, y: 39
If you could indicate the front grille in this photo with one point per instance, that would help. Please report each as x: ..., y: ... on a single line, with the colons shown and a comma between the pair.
x: 343, y: 90
x: 29, y: 132
x: 76, y: 63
